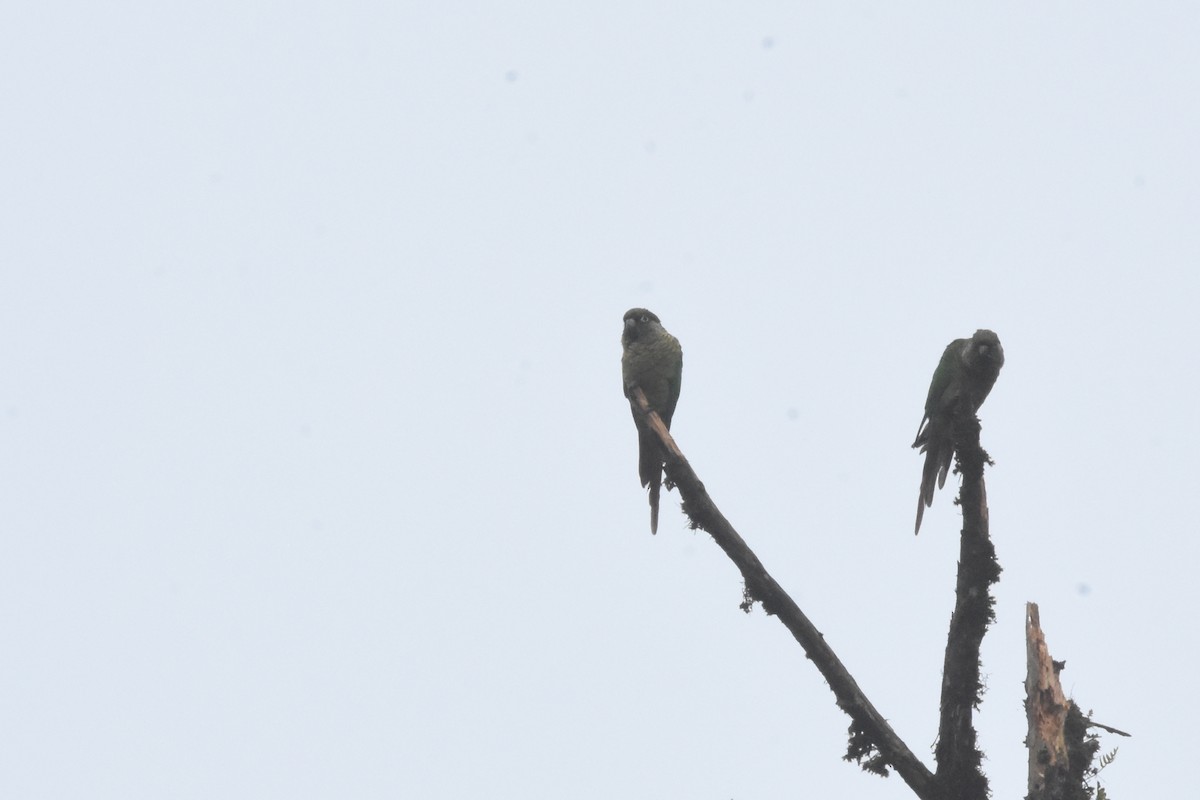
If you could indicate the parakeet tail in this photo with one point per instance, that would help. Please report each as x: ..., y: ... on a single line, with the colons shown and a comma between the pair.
x: 650, y: 472
x: 654, y: 508
x: 938, y: 455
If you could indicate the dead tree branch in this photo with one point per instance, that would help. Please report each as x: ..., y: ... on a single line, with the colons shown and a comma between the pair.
x: 959, y: 768
x: 1046, y: 709
x: 873, y: 743
x: 1061, y: 750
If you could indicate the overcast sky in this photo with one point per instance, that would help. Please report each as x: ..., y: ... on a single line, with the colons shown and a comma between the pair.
x: 316, y: 479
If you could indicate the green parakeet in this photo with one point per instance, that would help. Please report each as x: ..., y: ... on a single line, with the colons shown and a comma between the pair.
x: 653, y: 360
x: 960, y: 384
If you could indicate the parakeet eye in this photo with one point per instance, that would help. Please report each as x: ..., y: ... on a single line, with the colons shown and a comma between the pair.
x: 645, y: 318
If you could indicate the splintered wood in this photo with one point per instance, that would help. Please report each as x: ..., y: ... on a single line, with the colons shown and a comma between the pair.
x: 1046, y: 707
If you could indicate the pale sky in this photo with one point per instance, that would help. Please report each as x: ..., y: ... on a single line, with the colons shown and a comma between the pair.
x: 316, y: 479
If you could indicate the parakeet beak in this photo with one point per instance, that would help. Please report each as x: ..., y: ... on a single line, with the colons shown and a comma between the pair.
x: 630, y: 323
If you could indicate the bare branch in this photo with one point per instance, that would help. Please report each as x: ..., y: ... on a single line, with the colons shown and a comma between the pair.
x: 873, y: 742
x: 959, y: 760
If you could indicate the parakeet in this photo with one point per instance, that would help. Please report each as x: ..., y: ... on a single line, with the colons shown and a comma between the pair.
x: 653, y: 360
x: 960, y: 384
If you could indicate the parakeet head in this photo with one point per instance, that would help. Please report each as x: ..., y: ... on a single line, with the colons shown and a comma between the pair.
x: 638, y: 322
x: 983, y: 353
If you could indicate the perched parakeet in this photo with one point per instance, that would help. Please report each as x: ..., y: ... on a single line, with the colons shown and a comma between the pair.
x: 653, y: 360
x: 960, y: 384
